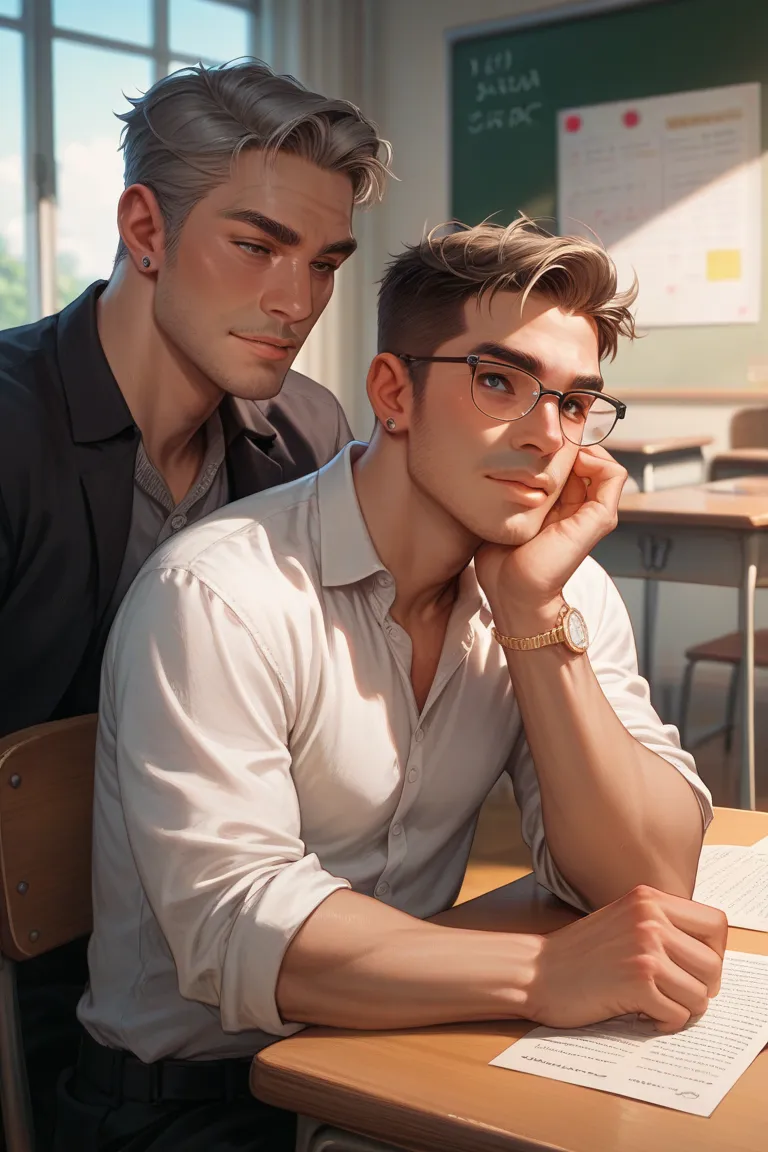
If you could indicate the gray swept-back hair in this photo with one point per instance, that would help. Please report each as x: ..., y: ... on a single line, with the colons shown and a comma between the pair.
x: 182, y: 136
x: 425, y: 287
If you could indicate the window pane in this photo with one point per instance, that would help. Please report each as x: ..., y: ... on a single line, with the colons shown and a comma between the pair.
x: 90, y: 85
x: 131, y: 21
x: 208, y: 61
x: 13, y: 277
x: 205, y: 28
x: 10, y: 8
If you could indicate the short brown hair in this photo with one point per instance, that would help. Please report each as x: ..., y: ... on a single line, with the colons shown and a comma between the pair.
x: 181, y: 137
x: 424, y: 289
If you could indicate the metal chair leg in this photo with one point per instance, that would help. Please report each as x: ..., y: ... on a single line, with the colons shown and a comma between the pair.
x: 685, y: 701
x: 731, y: 703
x: 14, y: 1089
x: 327, y: 1139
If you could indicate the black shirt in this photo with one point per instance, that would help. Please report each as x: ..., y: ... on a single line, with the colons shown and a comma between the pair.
x: 68, y: 447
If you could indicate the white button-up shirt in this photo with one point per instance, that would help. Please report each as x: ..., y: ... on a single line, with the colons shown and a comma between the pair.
x: 260, y: 747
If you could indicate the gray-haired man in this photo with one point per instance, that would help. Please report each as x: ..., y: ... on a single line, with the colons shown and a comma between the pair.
x: 159, y: 396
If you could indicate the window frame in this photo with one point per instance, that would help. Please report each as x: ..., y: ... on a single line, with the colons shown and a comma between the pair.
x: 39, y: 146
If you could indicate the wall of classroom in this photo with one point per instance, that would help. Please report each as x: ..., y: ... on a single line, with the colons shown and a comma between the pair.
x: 411, y: 106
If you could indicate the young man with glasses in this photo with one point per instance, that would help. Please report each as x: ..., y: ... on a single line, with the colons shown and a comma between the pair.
x: 307, y: 698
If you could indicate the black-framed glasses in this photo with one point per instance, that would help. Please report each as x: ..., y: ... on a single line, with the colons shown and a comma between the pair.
x: 506, y: 393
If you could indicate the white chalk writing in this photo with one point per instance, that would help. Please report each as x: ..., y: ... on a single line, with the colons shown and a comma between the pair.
x: 494, y: 118
x: 507, y: 85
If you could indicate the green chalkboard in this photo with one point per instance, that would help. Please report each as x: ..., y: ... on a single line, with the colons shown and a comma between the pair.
x: 507, y: 87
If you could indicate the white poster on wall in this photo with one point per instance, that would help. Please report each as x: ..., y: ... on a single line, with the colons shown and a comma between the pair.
x: 671, y: 185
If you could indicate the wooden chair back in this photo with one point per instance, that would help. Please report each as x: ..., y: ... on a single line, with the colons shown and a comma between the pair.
x: 749, y: 428
x: 46, y: 809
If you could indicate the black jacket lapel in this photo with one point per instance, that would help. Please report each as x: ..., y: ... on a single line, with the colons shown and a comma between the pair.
x: 250, y: 469
x: 104, y: 436
x: 250, y: 439
x: 106, y: 474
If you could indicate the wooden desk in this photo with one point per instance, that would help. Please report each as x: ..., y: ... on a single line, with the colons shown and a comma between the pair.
x: 431, y: 1089
x: 739, y: 462
x: 707, y: 534
x: 641, y: 458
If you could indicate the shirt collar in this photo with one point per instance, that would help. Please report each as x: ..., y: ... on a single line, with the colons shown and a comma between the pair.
x: 347, y: 554
x: 97, y: 408
x: 150, y: 481
x: 246, y: 416
x: 473, y: 597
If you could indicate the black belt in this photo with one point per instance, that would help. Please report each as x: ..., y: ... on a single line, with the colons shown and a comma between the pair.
x: 121, y: 1076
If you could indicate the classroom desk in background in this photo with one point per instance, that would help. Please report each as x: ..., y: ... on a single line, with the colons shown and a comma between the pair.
x: 739, y: 462
x: 642, y: 458
x: 714, y: 534
x: 431, y: 1089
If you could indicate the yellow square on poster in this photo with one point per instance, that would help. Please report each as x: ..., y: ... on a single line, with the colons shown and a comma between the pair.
x: 724, y: 264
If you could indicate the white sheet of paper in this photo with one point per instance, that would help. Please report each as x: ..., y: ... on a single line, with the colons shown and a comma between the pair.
x: 761, y: 845
x: 690, y: 1071
x: 735, y: 879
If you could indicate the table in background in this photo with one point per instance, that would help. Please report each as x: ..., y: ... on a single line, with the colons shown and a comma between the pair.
x: 431, y: 1089
x: 641, y: 458
x: 714, y: 534
x: 738, y: 462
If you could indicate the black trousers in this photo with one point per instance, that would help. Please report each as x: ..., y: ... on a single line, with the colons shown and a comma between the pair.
x: 89, y: 1120
x: 49, y: 988
x: 90, y: 1124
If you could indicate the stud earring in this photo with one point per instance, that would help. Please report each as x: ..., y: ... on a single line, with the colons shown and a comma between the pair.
x: 390, y: 424
x: 146, y: 261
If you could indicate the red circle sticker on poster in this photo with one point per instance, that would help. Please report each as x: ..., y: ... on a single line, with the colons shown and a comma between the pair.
x: 572, y: 123
x: 631, y: 118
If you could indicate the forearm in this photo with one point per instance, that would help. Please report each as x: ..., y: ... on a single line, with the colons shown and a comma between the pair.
x: 615, y: 814
x: 357, y: 963
x: 523, y: 906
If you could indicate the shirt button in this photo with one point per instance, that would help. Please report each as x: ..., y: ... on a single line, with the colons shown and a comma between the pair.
x: 412, y: 775
x: 396, y: 829
x: 382, y: 889
x: 383, y: 580
x: 418, y: 735
x: 178, y: 521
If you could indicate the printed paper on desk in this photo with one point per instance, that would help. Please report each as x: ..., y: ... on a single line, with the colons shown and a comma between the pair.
x: 735, y: 879
x: 690, y: 1071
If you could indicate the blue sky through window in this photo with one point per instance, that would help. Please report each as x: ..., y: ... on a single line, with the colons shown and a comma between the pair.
x: 90, y: 84
x: 203, y: 28
x: 13, y: 293
x: 113, y: 19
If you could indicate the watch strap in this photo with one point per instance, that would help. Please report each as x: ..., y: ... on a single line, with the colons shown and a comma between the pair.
x: 526, y: 643
x: 570, y: 630
x: 554, y: 635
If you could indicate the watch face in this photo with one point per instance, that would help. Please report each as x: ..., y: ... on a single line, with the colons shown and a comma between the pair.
x: 575, y: 629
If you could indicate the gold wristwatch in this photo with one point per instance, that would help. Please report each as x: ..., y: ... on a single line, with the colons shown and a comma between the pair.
x: 571, y: 630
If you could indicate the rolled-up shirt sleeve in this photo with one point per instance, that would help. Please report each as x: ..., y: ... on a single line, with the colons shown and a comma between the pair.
x: 202, y: 716
x: 613, y: 656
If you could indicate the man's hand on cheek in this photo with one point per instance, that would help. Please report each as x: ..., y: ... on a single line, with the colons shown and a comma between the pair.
x: 524, y: 584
